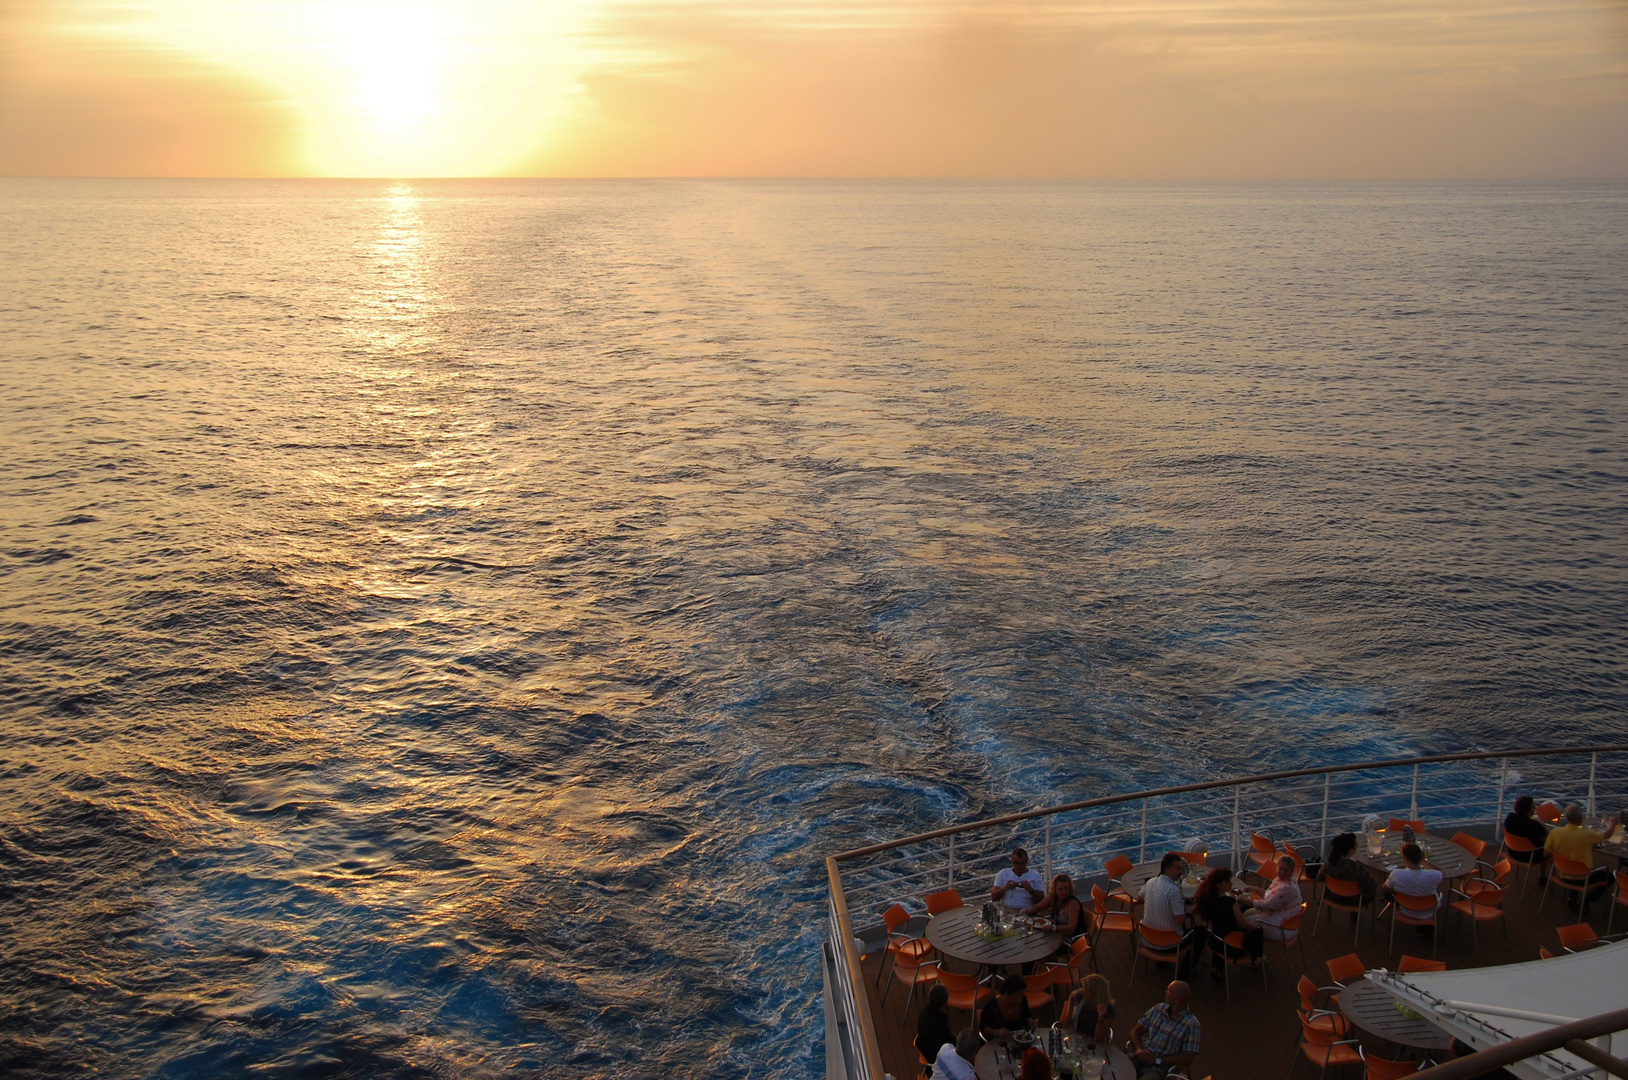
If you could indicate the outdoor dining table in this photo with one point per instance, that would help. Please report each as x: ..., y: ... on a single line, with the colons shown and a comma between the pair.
x: 1140, y: 874
x: 1453, y: 861
x: 1369, y: 1006
x: 954, y: 933
x: 999, y: 1060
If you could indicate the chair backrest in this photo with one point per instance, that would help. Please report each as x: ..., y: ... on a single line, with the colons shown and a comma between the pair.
x: 1342, y: 969
x: 1490, y: 897
x: 1571, y: 868
x: 895, y: 917
x: 1314, y: 1035
x: 1159, y: 939
x: 1414, y: 963
x: 1397, y: 824
x: 1385, y: 1069
x: 1416, y: 906
x: 1081, y: 946
x: 1262, y: 844
x: 1292, y: 925
x: 1118, y: 866
x: 1545, y: 954
x: 1580, y: 934
x: 1622, y: 886
x: 1469, y: 843
x: 1349, y: 890
x: 943, y: 900
x: 1500, y: 871
x: 1308, y: 993
x: 1549, y: 812
x: 1518, y: 843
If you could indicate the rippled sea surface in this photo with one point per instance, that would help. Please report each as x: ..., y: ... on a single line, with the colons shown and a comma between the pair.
x: 443, y: 626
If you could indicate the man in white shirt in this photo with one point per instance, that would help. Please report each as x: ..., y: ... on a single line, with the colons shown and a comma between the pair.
x: 1415, y: 877
x: 955, y: 1062
x: 1019, y: 887
x: 1163, y: 907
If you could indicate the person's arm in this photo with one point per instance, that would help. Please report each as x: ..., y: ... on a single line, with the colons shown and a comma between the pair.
x: 1001, y: 890
x: 1105, y: 1023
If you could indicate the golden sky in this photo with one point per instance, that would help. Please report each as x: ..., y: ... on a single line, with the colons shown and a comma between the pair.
x: 1096, y: 88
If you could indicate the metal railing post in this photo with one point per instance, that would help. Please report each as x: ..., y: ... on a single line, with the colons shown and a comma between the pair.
x: 951, y: 883
x: 1142, y: 846
x: 1237, y: 837
x: 1413, y: 804
x: 1322, y: 837
x: 1048, y: 847
x: 1503, y: 786
x: 1593, y: 762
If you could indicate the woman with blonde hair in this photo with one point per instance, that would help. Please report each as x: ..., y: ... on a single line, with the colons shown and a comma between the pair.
x: 1090, y: 1009
x: 1062, y: 907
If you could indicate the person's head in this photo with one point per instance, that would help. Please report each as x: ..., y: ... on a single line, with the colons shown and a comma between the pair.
x: 1285, y: 869
x: 1062, y: 887
x: 1012, y: 984
x: 1036, y: 1065
x: 1217, y: 881
x: 1525, y: 807
x: 1020, y: 862
x: 1412, y: 854
x: 1177, y: 995
x: 938, y: 997
x: 1342, y: 846
x: 1574, y: 814
x: 1098, y: 990
x: 967, y: 1043
x: 1171, y: 865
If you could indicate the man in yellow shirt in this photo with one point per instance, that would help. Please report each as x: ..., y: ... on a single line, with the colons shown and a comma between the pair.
x: 1572, y: 841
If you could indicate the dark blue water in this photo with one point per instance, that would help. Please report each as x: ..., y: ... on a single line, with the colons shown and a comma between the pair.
x: 446, y: 624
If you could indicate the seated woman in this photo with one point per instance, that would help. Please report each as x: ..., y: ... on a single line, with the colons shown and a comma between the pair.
x: 1522, y: 822
x: 1342, y: 866
x: 1224, y: 914
x: 933, y: 1025
x: 1063, y: 908
x: 1007, y: 1011
x: 1090, y: 1009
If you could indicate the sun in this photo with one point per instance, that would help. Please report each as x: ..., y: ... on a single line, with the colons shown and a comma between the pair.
x: 396, y: 56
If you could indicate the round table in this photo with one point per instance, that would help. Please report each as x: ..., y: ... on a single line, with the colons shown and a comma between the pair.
x: 1140, y: 874
x: 955, y: 934
x: 1453, y: 861
x: 1003, y: 1061
x: 1371, y: 1007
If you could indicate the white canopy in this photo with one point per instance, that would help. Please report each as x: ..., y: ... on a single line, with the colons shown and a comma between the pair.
x: 1484, y: 1007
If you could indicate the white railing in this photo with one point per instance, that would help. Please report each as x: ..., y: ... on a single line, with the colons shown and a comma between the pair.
x: 1302, y: 807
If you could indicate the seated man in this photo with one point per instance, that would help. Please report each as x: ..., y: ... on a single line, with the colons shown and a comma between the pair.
x: 1572, y: 841
x: 1415, y: 877
x: 1522, y: 822
x: 1167, y: 1036
x: 1164, y: 908
x: 955, y: 1062
x: 1019, y: 887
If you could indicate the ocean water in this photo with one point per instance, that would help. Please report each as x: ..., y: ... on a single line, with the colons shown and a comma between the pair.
x: 446, y: 624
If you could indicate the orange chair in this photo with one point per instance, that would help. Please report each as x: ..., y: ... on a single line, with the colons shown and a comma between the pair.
x: 1330, y: 1021
x: 1475, y: 847
x: 941, y: 901
x: 1112, y: 922
x: 1545, y: 954
x: 1414, y: 911
x: 1414, y: 963
x: 1039, y: 991
x: 1398, y: 824
x: 1499, y: 879
x: 1548, y: 813
x: 1117, y: 868
x: 966, y: 992
x: 1261, y: 851
x: 1233, y: 955
x: 1160, y: 946
x: 1571, y: 875
x: 1519, y: 845
x: 1617, y: 901
x: 921, y: 1059
x: 1345, y: 969
x: 1484, y: 905
x: 911, y: 948
x: 1067, y: 972
x: 1385, y: 1069
x: 1291, y: 936
x: 1341, y: 896
x: 913, y: 975
x: 1323, y: 1049
x: 1580, y: 936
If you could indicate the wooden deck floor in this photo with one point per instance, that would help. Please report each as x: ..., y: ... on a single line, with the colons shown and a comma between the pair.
x: 1254, y: 1035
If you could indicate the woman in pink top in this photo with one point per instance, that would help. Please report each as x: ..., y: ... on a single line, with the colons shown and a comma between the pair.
x: 1281, y: 903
